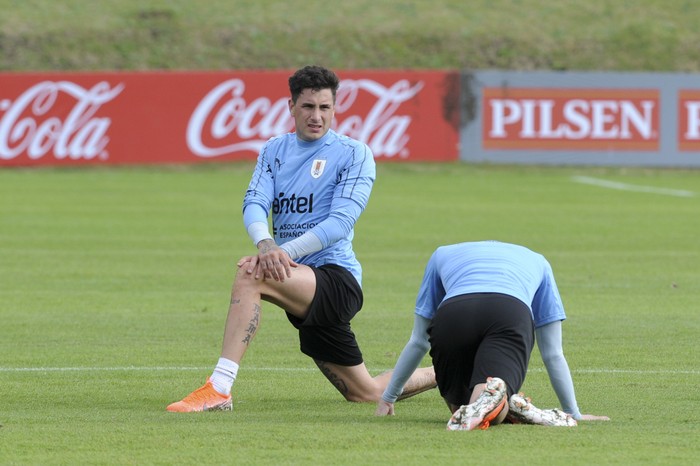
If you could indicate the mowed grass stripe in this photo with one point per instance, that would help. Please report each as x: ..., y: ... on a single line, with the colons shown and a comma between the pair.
x: 310, y: 369
x: 107, y: 315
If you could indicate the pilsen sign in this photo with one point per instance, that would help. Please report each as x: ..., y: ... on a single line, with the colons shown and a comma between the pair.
x: 581, y: 118
x: 601, y: 119
x: 181, y: 117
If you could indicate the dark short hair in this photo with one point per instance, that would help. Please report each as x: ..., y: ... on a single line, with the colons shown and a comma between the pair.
x: 312, y: 77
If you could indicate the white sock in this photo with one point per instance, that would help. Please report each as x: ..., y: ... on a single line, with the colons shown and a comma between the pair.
x: 224, y: 375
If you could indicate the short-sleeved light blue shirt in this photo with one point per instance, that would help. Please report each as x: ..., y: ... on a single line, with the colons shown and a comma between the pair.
x: 491, y: 267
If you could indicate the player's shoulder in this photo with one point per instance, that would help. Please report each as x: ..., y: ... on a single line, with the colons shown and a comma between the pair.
x: 280, y: 140
x: 347, y: 142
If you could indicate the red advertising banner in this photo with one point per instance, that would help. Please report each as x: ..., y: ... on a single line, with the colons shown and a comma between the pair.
x: 190, y: 117
x: 689, y: 120
x: 570, y: 119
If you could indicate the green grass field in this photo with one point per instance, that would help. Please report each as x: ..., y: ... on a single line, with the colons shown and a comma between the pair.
x: 114, y: 282
x: 114, y: 285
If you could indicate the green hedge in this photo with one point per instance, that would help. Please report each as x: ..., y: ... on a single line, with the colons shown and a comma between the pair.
x: 616, y: 35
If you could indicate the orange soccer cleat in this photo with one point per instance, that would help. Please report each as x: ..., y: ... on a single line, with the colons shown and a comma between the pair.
x: 205, y: 398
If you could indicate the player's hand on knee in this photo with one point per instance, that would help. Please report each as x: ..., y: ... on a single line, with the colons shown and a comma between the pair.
x: 249, y: 262
x: 244, y: 260
x: 275, y: 263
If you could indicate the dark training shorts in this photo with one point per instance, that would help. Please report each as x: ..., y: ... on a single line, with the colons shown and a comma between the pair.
x: 480, y: 335
x: 325, y: 334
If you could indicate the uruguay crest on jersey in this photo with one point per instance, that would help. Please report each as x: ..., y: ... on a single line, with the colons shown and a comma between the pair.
x: 317, y: 167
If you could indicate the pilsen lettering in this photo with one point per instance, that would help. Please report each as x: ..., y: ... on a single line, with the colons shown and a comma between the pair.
x: 692, y: 128
x: 575, y: 119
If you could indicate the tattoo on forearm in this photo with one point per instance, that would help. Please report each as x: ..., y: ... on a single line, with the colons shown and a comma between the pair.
x: 252, y: 325
x: 332, y: 377
x: 266, y: 246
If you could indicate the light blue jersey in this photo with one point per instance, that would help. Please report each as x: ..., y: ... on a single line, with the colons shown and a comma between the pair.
x: 491, y: 267
x: 320, y: 186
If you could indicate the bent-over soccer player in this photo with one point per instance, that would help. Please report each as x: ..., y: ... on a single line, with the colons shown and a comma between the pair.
x: 478, y: 309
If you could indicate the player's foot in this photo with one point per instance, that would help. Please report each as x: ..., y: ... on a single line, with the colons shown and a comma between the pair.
x: 480, y: 413
x: 522, y: 411
x: 205, y: 398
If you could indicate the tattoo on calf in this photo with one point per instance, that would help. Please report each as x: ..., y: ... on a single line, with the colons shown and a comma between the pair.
x: 334, y: 378
x: 252, y: 325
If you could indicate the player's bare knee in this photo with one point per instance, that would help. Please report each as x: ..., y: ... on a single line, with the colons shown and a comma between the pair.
x: 368, y: 395
x: 360, y: 397
x: 242, y: 275
x: 245, y: 281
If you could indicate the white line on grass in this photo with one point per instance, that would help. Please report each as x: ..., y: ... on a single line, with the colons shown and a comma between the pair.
x: 632, y: 187
x: 143, y: 368
x: 627, y: 371
x: 308, y: 369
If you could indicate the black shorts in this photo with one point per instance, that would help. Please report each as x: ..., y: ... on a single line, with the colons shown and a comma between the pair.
x: 325, y: 334
x: 480, y: 335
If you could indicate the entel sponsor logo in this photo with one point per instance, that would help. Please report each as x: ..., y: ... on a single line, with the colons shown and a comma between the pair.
x: 294, y: 204
x: 80, y: 135
x: 224, y: 115
x: 570, y: 119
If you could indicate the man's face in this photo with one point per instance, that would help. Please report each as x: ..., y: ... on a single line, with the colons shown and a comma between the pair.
x: 313, y: 113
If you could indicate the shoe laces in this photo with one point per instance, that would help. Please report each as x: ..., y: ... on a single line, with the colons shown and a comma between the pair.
x: 203, y: 393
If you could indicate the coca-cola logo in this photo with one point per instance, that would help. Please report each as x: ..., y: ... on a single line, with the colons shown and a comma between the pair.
x: 225, y: 122
x: 30, y: 124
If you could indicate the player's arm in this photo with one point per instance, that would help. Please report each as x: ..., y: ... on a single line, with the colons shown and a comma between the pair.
x: 271, y: 261
x: 350, y: 197
x: 549, y: 342
x: 547, y: 305
x: 338, y: 225
x: 409, y: 359
x: 430, y: 295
